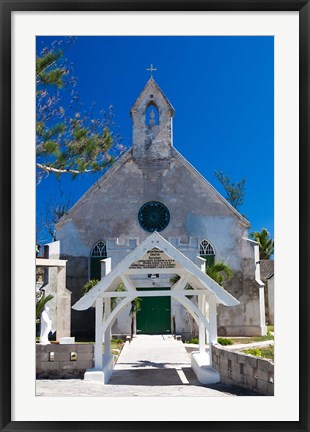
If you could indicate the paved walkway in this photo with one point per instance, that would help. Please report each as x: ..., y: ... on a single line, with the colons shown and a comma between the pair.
x: 153, y: 351
x: 147, y: 366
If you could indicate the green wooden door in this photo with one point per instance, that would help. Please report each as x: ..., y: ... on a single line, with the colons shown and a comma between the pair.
x: 154, y: 316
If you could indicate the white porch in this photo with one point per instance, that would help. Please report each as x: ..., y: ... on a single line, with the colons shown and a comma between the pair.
x: 156, y: 255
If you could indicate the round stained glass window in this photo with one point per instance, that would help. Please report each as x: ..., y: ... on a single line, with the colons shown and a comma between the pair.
x: 154, y: 216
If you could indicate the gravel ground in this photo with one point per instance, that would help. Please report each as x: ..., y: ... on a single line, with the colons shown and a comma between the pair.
x: 150, y: 365
x: 169, y: 383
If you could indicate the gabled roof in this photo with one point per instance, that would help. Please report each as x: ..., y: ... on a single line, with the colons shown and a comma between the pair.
x: 198, y: 278
x: 151, y: 84
x: 208, y: 185
x: 127, y: 156
x: 117, y: 165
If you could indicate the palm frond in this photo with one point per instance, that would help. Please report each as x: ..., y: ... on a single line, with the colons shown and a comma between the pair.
x: 219, y: 272
x: 40, y: 305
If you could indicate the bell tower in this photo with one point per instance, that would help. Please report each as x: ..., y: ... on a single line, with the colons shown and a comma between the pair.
x: 152, y: 115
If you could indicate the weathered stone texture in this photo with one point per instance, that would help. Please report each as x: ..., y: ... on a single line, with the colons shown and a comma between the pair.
x: 154, y: 171
x: 256, y: 374
x: 62, y: 366
x: 151, y: 141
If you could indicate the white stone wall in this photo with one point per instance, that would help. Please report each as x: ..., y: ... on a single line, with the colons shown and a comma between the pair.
x: 244, y: 370
x: 154, y: 171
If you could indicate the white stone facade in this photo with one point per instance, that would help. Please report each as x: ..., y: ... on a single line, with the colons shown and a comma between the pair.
x: 153, y: 170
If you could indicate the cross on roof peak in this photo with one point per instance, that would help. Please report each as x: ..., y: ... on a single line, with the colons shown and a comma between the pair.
x: 151, y: 69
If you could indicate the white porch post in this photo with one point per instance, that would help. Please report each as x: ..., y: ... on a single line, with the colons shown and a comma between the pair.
x: 201, y: 361
x: 213, y: 324
x: 106, y: 269
x: 99, y: 335
x: 107, y: 333
x: 207, y: 313
x: 202, y: 328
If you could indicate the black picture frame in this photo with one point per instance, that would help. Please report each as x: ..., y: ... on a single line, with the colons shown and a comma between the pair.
x: 7, y: 7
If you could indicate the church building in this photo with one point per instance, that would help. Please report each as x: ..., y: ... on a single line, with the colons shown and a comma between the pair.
x: 153, y: 188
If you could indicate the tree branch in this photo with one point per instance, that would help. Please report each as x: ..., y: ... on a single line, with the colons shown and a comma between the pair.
x: 63, y: 171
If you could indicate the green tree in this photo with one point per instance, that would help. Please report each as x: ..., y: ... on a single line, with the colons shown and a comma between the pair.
x: 68, y: 140
x: 219, y: 272
x: 41, y: 302
x: 89, y: 285
x: 55, y: 207
x: 235, y: 191
x: 266, y: 244
x: 134, y: 309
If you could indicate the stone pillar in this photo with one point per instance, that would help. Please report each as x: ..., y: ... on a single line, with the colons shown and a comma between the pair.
x: 202, y: 329
x: 99, y: 334
x: 63, y: 305
x: 201, y: 263
x: 261, y: 292
x: 105, y: 266
x: 262, y: 308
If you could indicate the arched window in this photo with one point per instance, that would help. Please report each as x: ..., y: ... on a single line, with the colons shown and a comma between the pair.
x: 207, y: 252
x: 98, y: 252
x: 152, y: 115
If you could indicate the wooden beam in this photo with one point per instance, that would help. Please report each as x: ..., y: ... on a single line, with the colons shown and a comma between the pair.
x: 198, y: 292
x: 145, y: 272
x: 114, y: 314
x: 154, y: 293
x: 183, y: 266
x: 128, y: 283
x: 180, y: 284
x: 191, y: 307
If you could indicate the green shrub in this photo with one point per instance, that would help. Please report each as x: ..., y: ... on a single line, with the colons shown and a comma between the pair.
x: 117, y: 341
x: 193, y: 341
x: 262, y: 338
x: 88, y: 286
x: 254, y: 351
x: 268, y: 352
x: 221, y: 341
x: 224, y: 341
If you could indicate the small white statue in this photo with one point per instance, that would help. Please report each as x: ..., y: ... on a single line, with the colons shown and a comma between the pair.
x: 46, y: 326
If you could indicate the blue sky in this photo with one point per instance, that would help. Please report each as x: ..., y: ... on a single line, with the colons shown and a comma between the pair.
x: 222, y: 89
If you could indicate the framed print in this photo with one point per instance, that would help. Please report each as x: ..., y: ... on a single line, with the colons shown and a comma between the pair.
x: 216, y: 88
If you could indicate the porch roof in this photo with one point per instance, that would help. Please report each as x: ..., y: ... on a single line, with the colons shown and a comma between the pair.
x: 180, y: 265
